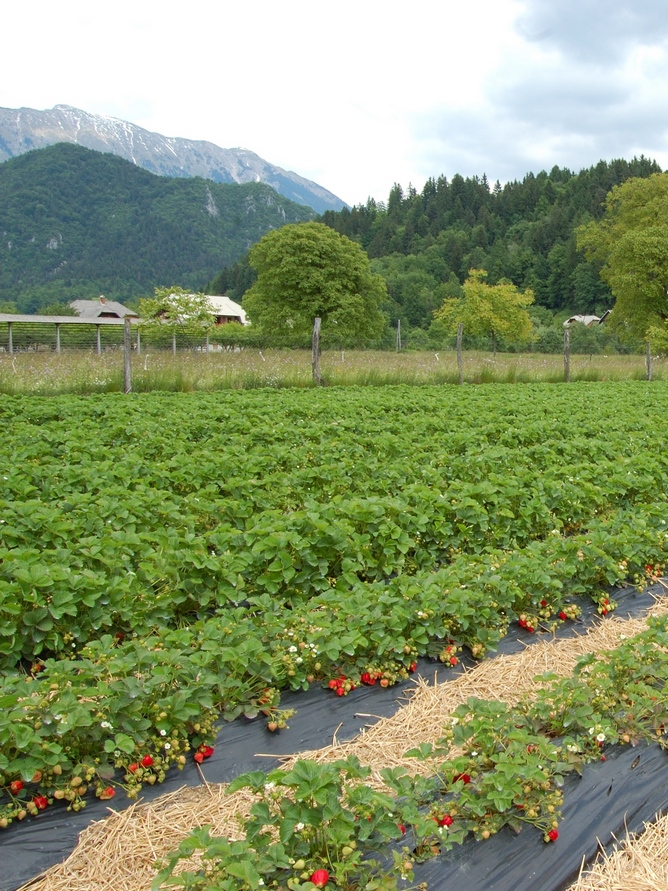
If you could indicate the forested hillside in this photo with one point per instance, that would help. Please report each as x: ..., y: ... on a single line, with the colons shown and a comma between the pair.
x: 76, y: 223
x: 424, y: 243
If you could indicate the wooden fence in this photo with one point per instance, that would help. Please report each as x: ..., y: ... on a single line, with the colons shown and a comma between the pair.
x: 24, y: 332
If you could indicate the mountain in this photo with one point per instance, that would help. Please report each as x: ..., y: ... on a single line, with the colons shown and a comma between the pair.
x: 76, y: 223
x: 23, y: 129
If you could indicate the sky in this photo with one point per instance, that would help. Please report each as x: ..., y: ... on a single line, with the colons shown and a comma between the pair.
x: 360, y: 94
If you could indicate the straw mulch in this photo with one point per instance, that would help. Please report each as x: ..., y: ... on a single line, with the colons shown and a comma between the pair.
x: 640, y: 864
x: 119, y: 853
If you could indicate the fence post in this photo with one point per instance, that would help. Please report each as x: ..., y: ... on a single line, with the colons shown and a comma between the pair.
x: 315, y: 353
x: 649, y: 361
x: 567, y: 355
x: 98, y: 342
x: 10, y: 339
x: 460, y: 363
x: 138, y: 342
x: 127, y: 353
x: 398, y: 334
x: 57, y: 337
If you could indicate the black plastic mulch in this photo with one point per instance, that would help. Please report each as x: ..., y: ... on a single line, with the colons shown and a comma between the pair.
x: 624, y: 792
x: 610, y: 796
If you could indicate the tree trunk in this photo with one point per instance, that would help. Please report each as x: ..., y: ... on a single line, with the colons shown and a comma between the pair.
x: 315, y: 353
x: 460, y: 363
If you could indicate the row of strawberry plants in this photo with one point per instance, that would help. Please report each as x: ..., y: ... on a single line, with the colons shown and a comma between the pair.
x: 123, y: 443
x: 121, y: 701
x: 72, y: 571
x: 313, y: 823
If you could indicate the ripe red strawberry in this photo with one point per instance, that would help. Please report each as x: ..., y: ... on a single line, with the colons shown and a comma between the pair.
x: 445, y: 821
x: 16, y: 787
x: 402, y: 828
x: 412, y: 667
x: 147, y: 761
x: 40, y: 802
x: 207, y: 751
x: 453, y: 660
x: 563, y: 616
x: 132, y: 767
x: 553, y: 834
x: 199, y: 757
x: 464, y: 777
x: 107, y: 793
x: 320, y: 878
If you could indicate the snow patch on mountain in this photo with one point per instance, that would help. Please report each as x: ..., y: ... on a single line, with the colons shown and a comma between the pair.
x: 24, y: 129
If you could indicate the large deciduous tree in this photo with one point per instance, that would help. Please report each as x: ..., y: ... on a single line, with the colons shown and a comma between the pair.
x: 631, y: 241
x: 498, y: 311
x: 308, y: 271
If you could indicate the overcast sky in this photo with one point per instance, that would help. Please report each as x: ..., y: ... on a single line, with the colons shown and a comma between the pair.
x: 360, y: 94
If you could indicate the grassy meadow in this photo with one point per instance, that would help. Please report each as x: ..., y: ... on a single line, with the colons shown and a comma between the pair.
x: 48, y: 373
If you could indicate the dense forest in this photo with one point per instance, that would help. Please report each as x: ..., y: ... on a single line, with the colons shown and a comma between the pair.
x: 76, y: 223
x: 424, y: 243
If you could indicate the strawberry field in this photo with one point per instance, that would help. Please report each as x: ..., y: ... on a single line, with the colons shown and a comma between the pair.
x: 166, y: 560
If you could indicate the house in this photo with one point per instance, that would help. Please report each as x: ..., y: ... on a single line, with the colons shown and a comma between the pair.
x: 101, y: 309
x: 226, y: 310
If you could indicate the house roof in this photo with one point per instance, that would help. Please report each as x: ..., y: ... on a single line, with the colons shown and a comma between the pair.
x: 223, y: 306
x: 94, y: 309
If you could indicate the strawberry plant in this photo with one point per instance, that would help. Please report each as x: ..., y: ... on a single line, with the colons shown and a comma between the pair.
x: 198, y: 554
x: 310, y: 825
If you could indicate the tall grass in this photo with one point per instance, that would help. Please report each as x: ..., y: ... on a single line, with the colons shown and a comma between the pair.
x: 79, y: 372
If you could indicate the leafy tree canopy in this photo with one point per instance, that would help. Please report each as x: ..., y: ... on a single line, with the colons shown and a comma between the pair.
x: 309, y: 271
x: 631, y: 241
x: 177, y: 309
x: 496, y: 310
x: 522, y: 231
